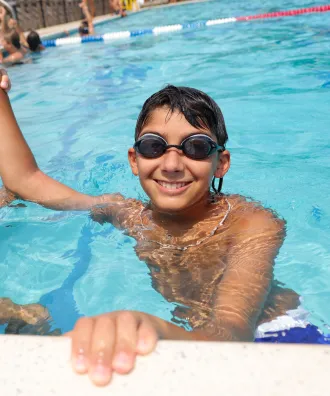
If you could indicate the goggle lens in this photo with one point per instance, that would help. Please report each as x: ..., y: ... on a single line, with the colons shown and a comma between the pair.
x: 196, y: 147
x: 151, y: 147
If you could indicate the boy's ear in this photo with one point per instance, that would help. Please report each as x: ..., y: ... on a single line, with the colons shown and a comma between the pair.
x: 132, y: 161
x: 223, y: 164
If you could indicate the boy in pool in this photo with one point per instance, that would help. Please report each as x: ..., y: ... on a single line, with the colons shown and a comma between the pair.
x: 212, y: 253
x: 116, y: 7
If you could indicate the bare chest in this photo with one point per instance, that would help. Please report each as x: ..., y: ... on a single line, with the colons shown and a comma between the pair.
x: 186, y: 276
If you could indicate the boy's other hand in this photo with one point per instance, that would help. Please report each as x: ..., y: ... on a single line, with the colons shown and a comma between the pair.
x: 109, y: 343
x: 5, y: 83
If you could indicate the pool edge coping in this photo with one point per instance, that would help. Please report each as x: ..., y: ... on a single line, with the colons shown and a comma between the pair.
x: 34, y: 364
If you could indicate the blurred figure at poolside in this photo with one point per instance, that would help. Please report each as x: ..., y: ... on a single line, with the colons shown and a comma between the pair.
x: 91, y: 7
x: 117, y: 8
x: 86, y: 27
x: 8, y: 23
x: 12, y: 45
x: 34, y: 42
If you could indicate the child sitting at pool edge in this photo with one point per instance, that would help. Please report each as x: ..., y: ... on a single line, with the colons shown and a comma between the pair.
x: 86, y: 27
x: 212, y: 253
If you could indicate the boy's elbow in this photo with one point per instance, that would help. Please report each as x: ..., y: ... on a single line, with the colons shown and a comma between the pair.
x: 26, y: 181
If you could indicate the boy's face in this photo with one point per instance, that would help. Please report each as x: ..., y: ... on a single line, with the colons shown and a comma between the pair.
x: 173, y: 181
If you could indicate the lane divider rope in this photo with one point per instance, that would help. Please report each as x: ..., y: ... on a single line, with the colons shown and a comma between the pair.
x: 174, y: 28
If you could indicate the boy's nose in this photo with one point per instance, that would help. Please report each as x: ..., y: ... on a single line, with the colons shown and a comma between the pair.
x: 172, y: 161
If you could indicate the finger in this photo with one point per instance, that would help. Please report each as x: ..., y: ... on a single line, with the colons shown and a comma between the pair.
x: 5, y: 81
x: 81, y: 344
x: 147, y: 338
x: 126, y: 339
x: 103, y: 342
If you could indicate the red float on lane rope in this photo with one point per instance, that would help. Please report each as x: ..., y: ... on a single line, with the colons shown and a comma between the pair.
x: 280, y: 14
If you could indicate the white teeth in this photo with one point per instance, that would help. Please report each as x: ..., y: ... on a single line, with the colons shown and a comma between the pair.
x: 171, y: 186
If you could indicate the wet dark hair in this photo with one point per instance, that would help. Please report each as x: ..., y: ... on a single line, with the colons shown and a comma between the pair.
x: 33, y: 39
x: 83, y: 28
x: 12, y: 37
x: 198, y: 108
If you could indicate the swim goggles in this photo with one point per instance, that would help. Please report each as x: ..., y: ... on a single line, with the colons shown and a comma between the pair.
x: 196, y: 147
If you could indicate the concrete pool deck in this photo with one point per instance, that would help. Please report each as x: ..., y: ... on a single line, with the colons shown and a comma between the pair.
x: 33, y: 366
x: 72, y: 27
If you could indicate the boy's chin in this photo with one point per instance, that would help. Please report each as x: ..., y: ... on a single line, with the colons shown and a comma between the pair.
x: 170, y: 207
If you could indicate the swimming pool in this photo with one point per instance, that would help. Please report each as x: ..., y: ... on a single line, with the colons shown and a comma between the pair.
x: 77, y: 107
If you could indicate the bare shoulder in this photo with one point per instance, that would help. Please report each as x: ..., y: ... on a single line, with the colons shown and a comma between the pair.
x: 250, y: 216
x: 118, y: 210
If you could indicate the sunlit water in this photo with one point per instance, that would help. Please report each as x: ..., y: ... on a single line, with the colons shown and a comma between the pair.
x: 77, y: 107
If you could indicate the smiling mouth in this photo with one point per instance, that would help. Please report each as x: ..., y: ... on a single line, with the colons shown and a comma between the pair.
x: 173, y: 185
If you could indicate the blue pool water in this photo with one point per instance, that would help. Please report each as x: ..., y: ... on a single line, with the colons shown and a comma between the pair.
x: 77, y: 107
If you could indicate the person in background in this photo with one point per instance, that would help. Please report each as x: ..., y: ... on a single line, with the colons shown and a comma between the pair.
x: 12, y: 45
x: 8, y: 23
x: 34, y: 42
x: 91, y: 7
x: 86, y: 27
x: 117, y: 8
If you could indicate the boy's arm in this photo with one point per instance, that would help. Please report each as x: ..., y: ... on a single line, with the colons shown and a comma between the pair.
x: 245, y: 286
x: 246, y: 283
x: 20, y: 173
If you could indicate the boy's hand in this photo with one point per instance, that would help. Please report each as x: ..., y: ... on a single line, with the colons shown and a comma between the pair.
x: 5, y: 83
x: 110, y: 343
